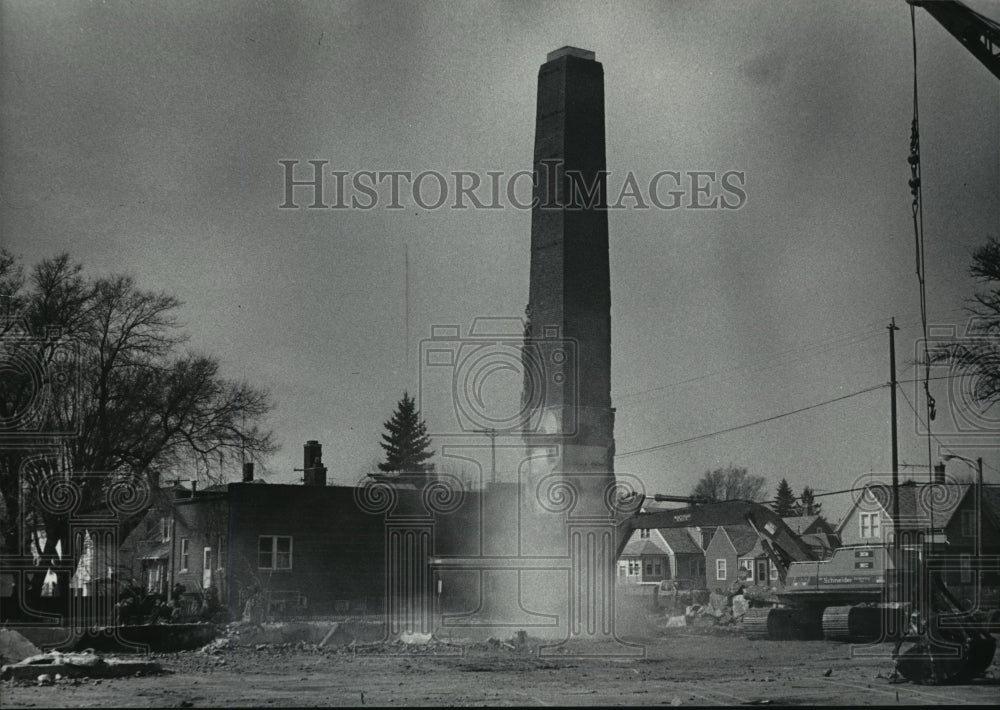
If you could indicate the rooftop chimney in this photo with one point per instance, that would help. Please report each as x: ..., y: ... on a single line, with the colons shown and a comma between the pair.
x: 314, y: 472
x: 248, y: 472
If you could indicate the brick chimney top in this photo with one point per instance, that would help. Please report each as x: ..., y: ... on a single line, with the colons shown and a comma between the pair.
x: 569, y: 51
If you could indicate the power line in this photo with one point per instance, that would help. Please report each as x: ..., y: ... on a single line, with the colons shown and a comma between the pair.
x: 825, y: 345
x: 747, y: 425
x: 852, y: 338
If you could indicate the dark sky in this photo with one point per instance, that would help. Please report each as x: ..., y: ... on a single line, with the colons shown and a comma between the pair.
x: 145, y: 137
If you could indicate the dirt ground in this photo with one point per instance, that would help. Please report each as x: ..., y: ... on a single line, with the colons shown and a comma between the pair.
x: 678, y: 667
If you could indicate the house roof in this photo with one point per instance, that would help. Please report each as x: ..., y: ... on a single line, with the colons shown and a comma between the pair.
x: 639, y: 546
x: 821, y: 540
x: 742, y: 536
x: 920, y: 504
x: 680, y: 541
x: 800, y: 523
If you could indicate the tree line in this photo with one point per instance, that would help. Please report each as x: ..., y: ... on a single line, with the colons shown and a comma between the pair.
x: 101, y: 389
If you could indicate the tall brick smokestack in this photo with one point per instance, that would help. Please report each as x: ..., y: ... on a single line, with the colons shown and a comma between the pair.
x: 569, y: 432
x: 569, y: 306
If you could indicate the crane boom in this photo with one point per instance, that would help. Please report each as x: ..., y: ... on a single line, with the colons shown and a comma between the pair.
x: 979, y: 34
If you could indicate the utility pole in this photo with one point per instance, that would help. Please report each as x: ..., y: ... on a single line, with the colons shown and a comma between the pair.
x: 897, y: 558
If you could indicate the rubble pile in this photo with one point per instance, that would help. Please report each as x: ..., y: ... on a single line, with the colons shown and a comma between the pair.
x: 49, y: 668
x: 722, y: 611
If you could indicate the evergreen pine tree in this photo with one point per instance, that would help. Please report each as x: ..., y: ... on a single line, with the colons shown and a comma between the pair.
x: 405, y: 442
x: 808, y: 502
x: 784, y: 503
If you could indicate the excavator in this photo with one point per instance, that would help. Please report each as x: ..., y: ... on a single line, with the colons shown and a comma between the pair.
x: 860, y: 594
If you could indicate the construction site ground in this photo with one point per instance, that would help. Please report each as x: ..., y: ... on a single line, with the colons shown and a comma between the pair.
x: 679, y: 667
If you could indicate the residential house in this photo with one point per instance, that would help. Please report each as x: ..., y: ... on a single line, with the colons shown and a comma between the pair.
x: 735, y: 555
x: 645, y: 558
x: 666, y: 553
x: 941, y: 517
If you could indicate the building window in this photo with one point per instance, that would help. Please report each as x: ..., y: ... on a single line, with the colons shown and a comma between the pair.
x: 644, y: 534
x: 657, y: 569
x: 870, y: 525
x: 185, y: 555
x: 274, y: 552
x: 164, y: 529
x: 968, y: 523
x: 633, y: 568
x: 720, y: 569
x: 746, y: 570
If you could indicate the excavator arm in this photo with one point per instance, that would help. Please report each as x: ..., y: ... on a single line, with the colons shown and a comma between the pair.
x: 979, y: 34
x: 780, y: 544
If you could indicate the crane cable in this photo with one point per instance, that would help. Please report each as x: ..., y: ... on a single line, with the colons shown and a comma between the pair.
x: 917, y: 209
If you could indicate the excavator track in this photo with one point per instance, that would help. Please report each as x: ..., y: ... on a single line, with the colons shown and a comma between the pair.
x: 755, y: 624
x: 855, y: 624
x: 778, y: 624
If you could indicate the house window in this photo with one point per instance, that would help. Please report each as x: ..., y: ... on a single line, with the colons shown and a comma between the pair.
x: 185, y: 555
x: 644, y: 534
x: 657, y: 569
x: 968, y: 523
x: 164, y: 529
x: 649, y: 569
x: 746, y: 570
x: 274, y: 552
x: 870, y: 525
x: 720, y: 569
x: 633, y: 568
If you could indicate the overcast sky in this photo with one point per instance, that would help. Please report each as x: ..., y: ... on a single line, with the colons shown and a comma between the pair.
x: 145, y: 137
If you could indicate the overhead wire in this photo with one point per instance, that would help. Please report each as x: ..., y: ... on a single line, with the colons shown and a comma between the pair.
x: 748, y: 424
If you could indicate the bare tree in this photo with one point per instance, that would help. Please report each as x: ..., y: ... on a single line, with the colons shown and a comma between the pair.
x: 730, y: 483
x: 108, y: 395
x: 976, y: 354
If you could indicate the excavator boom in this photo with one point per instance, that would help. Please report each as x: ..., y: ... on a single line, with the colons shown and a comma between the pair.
x: 780, y: 544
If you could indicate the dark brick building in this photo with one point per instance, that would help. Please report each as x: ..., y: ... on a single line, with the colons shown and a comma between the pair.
x: 308, y: 549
